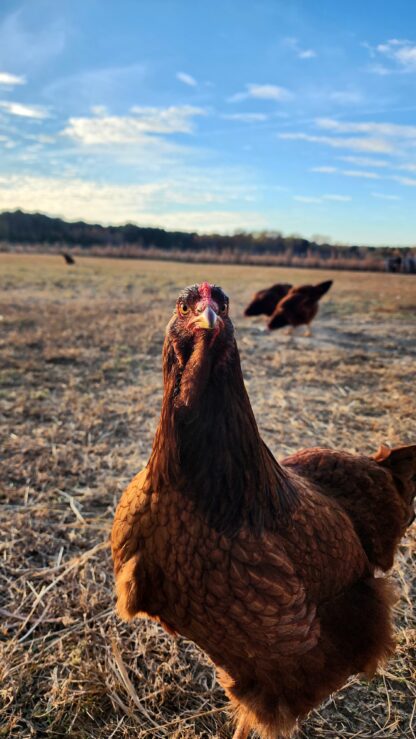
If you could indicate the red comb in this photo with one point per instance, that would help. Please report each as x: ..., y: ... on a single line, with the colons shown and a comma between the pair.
x: 204, y: 290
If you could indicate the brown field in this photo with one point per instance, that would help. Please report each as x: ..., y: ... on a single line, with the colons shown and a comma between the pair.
x: 80, y: 392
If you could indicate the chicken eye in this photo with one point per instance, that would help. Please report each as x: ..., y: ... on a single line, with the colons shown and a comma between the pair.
x: 183, y: 309
x: 224, y: 309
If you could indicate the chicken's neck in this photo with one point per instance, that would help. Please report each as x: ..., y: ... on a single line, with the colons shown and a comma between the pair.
x: 208, y: 447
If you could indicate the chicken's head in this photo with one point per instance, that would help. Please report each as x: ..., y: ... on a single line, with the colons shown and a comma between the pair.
x: 200, y: 320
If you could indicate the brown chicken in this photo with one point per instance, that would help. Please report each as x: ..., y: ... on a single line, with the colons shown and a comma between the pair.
x: 270, y: 568
x: 265, y: 301
x: 299, y: 306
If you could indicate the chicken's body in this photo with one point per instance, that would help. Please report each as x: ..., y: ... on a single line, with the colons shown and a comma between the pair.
x: 299, y: 306
x: 265, y: 301
x: 259, y: 564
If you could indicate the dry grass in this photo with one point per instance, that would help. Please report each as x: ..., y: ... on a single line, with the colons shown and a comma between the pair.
x: 80, y: 390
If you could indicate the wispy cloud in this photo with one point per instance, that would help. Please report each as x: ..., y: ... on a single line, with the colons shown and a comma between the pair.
x: 309, y: 199
x: 24, y: 111
x: 262, y: 92
x: 314, y: 200
x: 367, y: 175
x: 338, y: 198
x: 145, y: 122
x: 174, y: 119
x: 148, y: 204
x: 299, y: 51
x: 384, y: 196
x: 370, y: 137
x: 407, y: 181
x: 6, y: 142
x: 246, y: 117
x: 186, y: 78
x: 372, y: 128
x: 400, y: 51
x: 347, y: 172
x: 360, y: 173
x: 307, y: 54
x: 324, y: 169
x: 365, y: 161
x: 408, y: 167
x: 10, y: 80
x: 378, y: 146
x: 99, y: 85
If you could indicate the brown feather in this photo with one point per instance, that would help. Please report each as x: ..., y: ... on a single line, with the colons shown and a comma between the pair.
x: 299, y: 306
x: 269, y: 568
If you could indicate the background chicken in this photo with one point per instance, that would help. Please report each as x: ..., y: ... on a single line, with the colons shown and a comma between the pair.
x: 268, y: 567
x: 265, y: 301
x: 69, y: 259
x: 299, y: 306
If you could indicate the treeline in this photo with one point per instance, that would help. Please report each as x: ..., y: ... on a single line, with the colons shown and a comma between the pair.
x: 19, y: 228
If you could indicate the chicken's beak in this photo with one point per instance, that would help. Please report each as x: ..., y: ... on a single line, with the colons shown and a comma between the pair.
x: 207, y: 319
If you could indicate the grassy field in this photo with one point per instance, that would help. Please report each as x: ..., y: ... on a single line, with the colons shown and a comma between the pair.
x: 80, y: 392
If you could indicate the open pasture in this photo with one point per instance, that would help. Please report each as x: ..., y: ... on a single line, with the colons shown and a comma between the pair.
x: 80, y: 392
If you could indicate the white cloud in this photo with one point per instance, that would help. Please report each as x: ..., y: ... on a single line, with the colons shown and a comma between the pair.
x: 374, y: 129
x: 400, y: 51
x: 369, y: 136
x: 218, y: 221
x: 307, y: 54
x: 383, y: 196
x: 24, y: 111
x: 146, y: 204
x: 307, y: 199
x: 380, y: 69
x: 175, y: 119
x: 347, y: 172
x: 408, y: 167
x: 313, y: 199
x: 186, y: 78
x: 99, y: 110
x: 246, y: 117
x: 365, y: 161
x: 293, y: 43
x: 136, y: 128
x: 10, y: 80
x: 324, y: 169
x: 6, y: 142
x: 262, y: 92
x: 338, y: 198
x: 379, y: 146
x: 360, y: 173
x: 95, y: 85
x: 407, y: 181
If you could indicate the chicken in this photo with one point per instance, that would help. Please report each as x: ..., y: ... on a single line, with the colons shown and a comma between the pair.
x: 268, y: 567
x: 69, y: 259
x: 265, y: 301
x: 299, y: 306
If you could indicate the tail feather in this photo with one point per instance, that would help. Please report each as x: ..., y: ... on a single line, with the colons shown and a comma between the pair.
x: 401, y: 462
x: 322, y: 288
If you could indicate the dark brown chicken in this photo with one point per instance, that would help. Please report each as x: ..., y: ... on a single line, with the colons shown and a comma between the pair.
x: 270, y: 568
x: 69, y: 259
x: 265, y: 301
x: 299, y: 306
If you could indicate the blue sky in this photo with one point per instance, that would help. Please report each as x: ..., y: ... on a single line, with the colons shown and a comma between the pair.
x: 270, y: 115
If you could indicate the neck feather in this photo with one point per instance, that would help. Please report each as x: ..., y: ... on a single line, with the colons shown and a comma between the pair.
x: 208, y: 447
